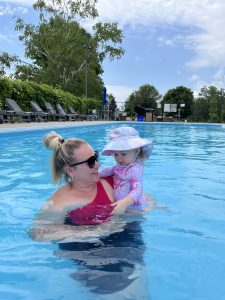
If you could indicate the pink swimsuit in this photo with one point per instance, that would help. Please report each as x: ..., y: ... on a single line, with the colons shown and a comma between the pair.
x: 127, y: 181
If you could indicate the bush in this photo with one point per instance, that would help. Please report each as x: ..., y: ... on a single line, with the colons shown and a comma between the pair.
x: 24, y: 91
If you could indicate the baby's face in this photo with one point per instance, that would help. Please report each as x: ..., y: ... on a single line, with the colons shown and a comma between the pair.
x: 124, y: 158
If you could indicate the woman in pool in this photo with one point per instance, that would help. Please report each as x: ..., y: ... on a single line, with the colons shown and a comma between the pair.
x: 114, y: 264
x: 85, y: 199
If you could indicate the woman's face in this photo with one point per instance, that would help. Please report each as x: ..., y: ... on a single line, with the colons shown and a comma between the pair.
x: 83, y: 172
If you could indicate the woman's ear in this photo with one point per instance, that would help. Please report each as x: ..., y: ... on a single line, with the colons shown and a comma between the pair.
x: 69, y: 171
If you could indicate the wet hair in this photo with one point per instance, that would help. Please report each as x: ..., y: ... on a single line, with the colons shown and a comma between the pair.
x: 63, y: 154
x: 141, y: 154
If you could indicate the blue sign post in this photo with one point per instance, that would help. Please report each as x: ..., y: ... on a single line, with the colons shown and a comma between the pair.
x: 104, y: 97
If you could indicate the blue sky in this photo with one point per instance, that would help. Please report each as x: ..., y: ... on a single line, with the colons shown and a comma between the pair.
x: 168, y: 43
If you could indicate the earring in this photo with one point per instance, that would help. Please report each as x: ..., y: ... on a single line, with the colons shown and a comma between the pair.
x: 71, y: 178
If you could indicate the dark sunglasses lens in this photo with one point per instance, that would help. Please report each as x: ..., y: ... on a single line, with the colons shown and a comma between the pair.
x: 91, y: 161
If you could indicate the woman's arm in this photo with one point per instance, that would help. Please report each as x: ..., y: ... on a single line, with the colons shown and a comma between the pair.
x: 67, y: 233
x: 49, y: 227
x: 49, y: 223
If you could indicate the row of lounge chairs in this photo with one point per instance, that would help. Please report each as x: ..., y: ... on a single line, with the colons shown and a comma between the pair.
x: 15, y: 113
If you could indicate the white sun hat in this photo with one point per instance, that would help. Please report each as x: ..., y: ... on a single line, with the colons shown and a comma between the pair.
x: 124, y: 139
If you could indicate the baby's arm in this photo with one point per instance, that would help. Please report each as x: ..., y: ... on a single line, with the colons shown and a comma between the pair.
x: 109, y: 171
x: 120, y: 206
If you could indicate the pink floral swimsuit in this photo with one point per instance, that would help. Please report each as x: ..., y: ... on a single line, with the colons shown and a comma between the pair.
x: 127, y: 181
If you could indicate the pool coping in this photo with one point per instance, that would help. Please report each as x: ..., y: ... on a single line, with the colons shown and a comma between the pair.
x: 20, y: 127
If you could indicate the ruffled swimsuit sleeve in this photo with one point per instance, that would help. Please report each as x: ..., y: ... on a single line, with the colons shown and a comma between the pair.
x: 129, y: 181
x: 136, y: 183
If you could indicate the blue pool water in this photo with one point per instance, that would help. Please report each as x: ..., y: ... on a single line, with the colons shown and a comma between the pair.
x: 174, y: 254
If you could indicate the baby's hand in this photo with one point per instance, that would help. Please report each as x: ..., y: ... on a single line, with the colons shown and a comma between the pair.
x: 119, y: 207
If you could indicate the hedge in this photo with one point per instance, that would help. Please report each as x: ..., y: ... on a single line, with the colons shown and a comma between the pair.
x: 24, y: 91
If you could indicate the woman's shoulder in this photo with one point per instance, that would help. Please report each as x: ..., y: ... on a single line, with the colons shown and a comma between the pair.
x: 60, y: 192
x: 108, y: 179
x: 58, y: 198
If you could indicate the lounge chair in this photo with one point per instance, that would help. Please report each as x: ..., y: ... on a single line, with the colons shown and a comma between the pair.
x: 70, y: 110
x: 6, y: 116
x: 51, y: 111
x: 37, y: 109
x: 92, y: 116
x: 80, y: 117
x: 19, y: 113
x: 69, y: 116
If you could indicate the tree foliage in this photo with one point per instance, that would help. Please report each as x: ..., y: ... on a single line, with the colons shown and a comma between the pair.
x: 210, y: 105
x: 180, y: 95
x: 62, y: 52
x: 146, y: 96
x: 7, y: 61
x: 112, y: 104
x: 24, y: 91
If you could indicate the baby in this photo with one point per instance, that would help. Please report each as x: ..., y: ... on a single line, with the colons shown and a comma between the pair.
x: 129, y: 151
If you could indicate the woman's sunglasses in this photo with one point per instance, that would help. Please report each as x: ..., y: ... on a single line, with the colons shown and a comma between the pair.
x: 90, y: 161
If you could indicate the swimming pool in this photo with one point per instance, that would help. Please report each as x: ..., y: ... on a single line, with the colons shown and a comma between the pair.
x: 172, y: 255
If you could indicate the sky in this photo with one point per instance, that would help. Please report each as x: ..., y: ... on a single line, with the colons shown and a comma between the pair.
x: 167, y: 43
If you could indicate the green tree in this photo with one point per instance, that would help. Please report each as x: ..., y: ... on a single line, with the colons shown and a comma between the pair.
x: 62, y: 53
x: 180, y: 95
x: 112, y: 104
x: 146, y: 96
x: 200, y: 111
x: 7, y: 61
x: 214, y: 100
x: 60, y: 58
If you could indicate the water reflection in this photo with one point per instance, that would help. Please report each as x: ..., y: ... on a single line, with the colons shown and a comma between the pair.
x: 113, y: 264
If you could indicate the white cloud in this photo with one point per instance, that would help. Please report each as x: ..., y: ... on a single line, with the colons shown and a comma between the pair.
x: 120, y: 92
x: 193, y: 78
x: 20, y: 2
x: 165, y: 41
x: 205, y: 20
x: 5, y: 38
x: 8, y: 10
x: 218, y: 80
x: 138, y: 58
x: 220, y: 74
x: 198, y: 83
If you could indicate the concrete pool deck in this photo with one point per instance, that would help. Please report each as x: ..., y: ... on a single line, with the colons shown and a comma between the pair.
x: 41, y: 125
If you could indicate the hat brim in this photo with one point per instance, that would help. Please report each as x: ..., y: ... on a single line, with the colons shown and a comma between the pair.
x: 126, y: 145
